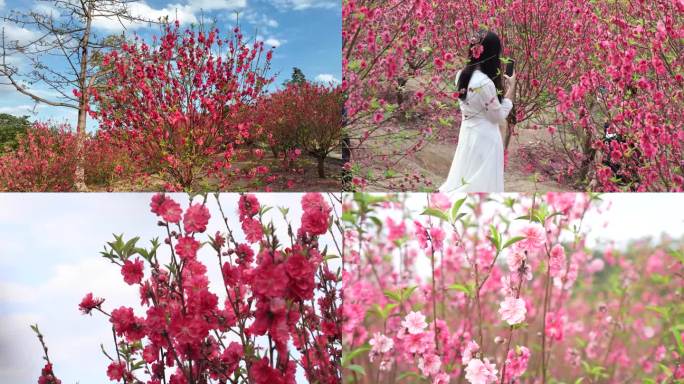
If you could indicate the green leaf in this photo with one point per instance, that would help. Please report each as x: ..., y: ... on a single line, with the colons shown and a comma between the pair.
x: 408, y: 374
x: 462, y: 288
x: 434, y: 212
x: 495, y: 237
x: 512, y: 241
x: 459, y: 216
x: 407, y: 292
x: 349, y: 216
x: 347, y: 358
x: 554, y: 214
x: 456, y: 207
x: 376, y: 221
x: 384, y: 312
x: 393, y: 295
x: 663, y: 311
x: 677, y: 255
x: 358, y: 369
x: 677, y: 332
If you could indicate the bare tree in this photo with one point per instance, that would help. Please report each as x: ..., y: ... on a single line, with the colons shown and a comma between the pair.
x: 62, y: 53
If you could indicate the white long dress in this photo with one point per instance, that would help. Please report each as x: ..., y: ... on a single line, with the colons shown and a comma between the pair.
x: 478, y: 163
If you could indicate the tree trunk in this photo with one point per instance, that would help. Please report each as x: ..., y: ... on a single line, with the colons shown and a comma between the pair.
x: 321, y: 167
x: 512, y: 121
x: 589, y: 157
x: 509, y: 134
x: 79, y: 177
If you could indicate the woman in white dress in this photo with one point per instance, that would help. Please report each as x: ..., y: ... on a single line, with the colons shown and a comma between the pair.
x: 478, y: 163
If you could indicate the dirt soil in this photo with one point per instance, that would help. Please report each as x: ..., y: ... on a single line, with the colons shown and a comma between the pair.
x: 434, y: 161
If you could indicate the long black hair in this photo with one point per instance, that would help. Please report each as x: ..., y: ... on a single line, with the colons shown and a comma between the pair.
x: 486, y: 58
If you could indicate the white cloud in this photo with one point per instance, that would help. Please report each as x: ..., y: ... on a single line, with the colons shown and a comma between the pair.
x: 184, y: 13
x: 327, y: 78
x: 259, y: 19
x: 2, y: 4
x: 14, y: 32
x: 211, y: 5
x: 271, y: 42
x: 19, y: 110
x: 306, y: 4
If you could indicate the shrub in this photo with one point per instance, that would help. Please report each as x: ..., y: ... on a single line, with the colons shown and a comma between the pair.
x: 45, y: 160
x: 175, y: 105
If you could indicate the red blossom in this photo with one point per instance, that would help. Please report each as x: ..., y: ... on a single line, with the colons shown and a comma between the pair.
x: 116, y: 371
x: 248, y: 205
x: 89, y: 303
x: 187, y: 247
x: 316, y: 216
x: 47, y: 376
x: 253, y: 230
x: 301, y: 274
x: 132, y: 271
x: 196, y: 218
x: 166, y: 208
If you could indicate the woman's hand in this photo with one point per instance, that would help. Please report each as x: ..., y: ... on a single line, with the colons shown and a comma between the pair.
x: 510, y: 82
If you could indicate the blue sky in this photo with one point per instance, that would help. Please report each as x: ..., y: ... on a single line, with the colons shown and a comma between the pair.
x: 50, y: 259
x: 306, y: 33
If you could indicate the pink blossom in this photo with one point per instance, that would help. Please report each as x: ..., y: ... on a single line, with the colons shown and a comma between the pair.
x: 595, y: 265
x: 648, y: 332
x: 534, y: 240
x: 421, y: 234
x: 116, y: 370
x: 89, y: 303
x: 554, y: 326
x: 440, y: 201
x: 429, y: 364
x: 441, y: 378
x: 513, y: 310
x: 381, y: 343
x: 437, y: 235
x: 470, y: 349
x: 557, y: 260
x: 396, y: 231
x: 414, y: 323
x: 481, y: 372
x: 515, y: 261
x: 516, y: 362
x: 416, y: 344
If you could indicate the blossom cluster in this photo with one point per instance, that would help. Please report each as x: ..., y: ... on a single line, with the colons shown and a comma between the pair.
x: 503, y: 289
x: 276, y: 312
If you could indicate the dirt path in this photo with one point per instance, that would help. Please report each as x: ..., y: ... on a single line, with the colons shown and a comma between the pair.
x: 434, y: 161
